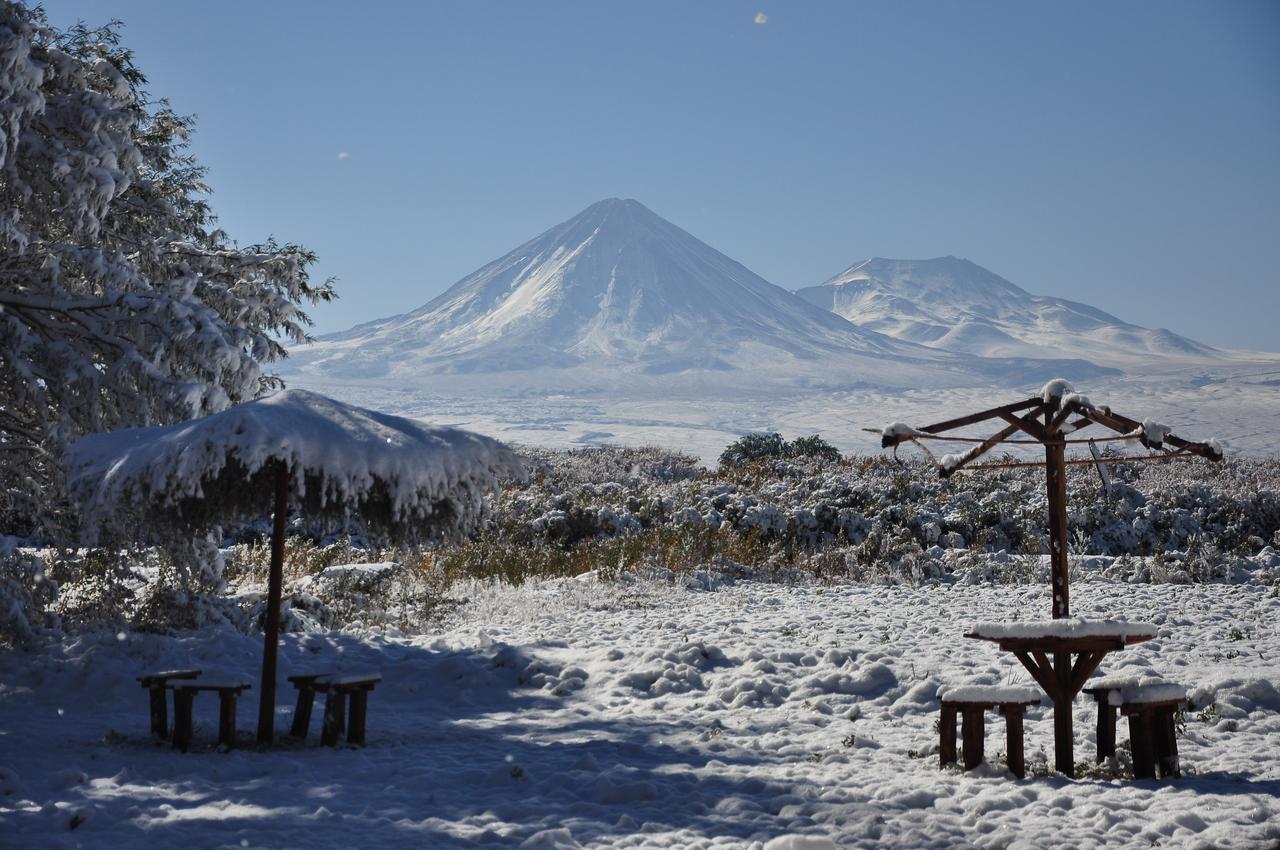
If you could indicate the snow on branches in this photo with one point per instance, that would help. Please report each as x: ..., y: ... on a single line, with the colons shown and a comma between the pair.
x: 120, y: 304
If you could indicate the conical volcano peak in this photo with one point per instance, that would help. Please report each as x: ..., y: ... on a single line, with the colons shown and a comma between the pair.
x: 615, y: 285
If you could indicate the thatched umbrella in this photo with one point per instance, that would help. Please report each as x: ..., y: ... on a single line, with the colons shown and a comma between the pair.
x: 406, y: 480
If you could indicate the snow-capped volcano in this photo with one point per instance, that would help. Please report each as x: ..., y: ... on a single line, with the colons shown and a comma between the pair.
x: 617, y: 287
x: 955, y: 305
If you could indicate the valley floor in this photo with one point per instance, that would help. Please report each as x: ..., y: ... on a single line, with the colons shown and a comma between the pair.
x: 1239, y: 406
x: 573, y: 713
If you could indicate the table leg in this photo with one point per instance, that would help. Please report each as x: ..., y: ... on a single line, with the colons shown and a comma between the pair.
x: 1063, y: 733
x: 227, y: 718
x: 1013, y: 740
x: 1140, y: 741
x: 971, y: 732
x: 302, y: 712
x: 1106, y: 729
x: 159, y: 712
x: 182, y: 700
x: 1165, y: 741
x: 334, y: 715
x: 356, y: 717
x: 947, y: 737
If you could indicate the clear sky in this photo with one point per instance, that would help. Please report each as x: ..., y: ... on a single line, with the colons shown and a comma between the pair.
x: 1124, y: 154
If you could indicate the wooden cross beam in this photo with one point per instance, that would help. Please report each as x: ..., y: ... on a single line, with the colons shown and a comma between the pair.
x: 974, y: 418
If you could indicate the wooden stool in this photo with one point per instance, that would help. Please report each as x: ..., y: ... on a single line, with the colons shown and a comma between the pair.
x: 972, y: 702
x: 156, y: 683
x: 1151, y: 705
x: 184, y: 695
x: 338, y: 690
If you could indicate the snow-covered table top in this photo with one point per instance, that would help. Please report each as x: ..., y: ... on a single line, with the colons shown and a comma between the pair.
x: 211, y: 683
x: 340, y: 679
x: 989, y: 693
x: 1064, y: 629
x: 1128, y: 690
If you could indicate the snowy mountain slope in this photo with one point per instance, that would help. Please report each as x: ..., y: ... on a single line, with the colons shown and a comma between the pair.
x: 618, y: 293
x: 955, y: 305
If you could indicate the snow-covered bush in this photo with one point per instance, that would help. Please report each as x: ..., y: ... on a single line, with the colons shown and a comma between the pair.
x: 26, y: 594
x: 120, y: 302
x: 883, y: 519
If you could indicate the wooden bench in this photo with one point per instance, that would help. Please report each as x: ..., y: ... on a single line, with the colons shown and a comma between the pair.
x: 157, y: 683
x: 338, y: 690
x: 972, y: 702
x: 184, y: 695
x: 1151, y: 706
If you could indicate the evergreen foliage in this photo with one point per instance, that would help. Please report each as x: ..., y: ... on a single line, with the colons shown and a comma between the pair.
x: 753, y: 448
x: 121, y: 303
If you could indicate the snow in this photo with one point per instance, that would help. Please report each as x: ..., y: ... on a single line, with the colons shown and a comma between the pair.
x: 1073, y: 627
x: 949, y: 462
x: 702, y: 418
x: 352, y: 449
x: 899, y: 429
x: 1078, y: 400
x: 214, y: 681
x: 989, y: 693
x: 1154, y: 432
x: 473, y: 743
x: 1131, y: 690
x: 1056, y: 389
x: 340, y: 679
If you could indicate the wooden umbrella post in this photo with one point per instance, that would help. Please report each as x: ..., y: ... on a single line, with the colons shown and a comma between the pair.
x: 271, y: 641
x: 1055, y: 480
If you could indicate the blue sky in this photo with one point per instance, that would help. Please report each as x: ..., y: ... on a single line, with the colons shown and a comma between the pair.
x: 1122, y: 154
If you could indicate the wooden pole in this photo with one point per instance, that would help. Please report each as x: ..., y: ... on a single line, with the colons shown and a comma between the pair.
x: 271, y: 641
x: 1055, y: 479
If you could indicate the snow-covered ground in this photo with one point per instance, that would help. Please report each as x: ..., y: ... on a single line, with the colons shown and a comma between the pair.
x: 571, y: 713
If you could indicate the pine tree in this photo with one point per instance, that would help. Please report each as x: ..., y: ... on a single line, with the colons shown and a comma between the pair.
x: 121, y: 303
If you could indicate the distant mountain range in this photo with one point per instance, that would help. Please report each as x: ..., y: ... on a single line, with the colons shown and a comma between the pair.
x: 618, y: 297
x: 956, y: 305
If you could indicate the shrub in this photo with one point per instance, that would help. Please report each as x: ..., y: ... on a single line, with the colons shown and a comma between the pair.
x: 813, y: 447
x: 752, y: 448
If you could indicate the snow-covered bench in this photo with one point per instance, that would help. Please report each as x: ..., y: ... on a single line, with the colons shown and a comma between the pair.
x: 972, y: 702
x: 184, y: 695
x: 337, y: 688
x: 157, y: 683
x: 1150, y: 704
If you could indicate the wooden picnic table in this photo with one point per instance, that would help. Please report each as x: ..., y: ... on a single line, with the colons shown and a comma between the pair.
x: 1061, y: 663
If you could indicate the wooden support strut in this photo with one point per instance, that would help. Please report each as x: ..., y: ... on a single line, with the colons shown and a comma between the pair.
x: 1043, y: 678
x: 982, y: 416
x: 271, y: 640
x: 1124, y: 425
x: 1027, y: 423
x: 978, y: 450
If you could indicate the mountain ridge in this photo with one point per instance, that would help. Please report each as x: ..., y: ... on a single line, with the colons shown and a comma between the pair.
x: 956, y: 305
x: 617, y: 287
x: 617, y: 296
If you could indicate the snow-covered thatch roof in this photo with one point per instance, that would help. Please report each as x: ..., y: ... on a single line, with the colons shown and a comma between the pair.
x: 403, y: 477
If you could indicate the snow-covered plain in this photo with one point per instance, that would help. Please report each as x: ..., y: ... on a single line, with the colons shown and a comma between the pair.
x: 1238, y: 404
x: 647, y: 713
